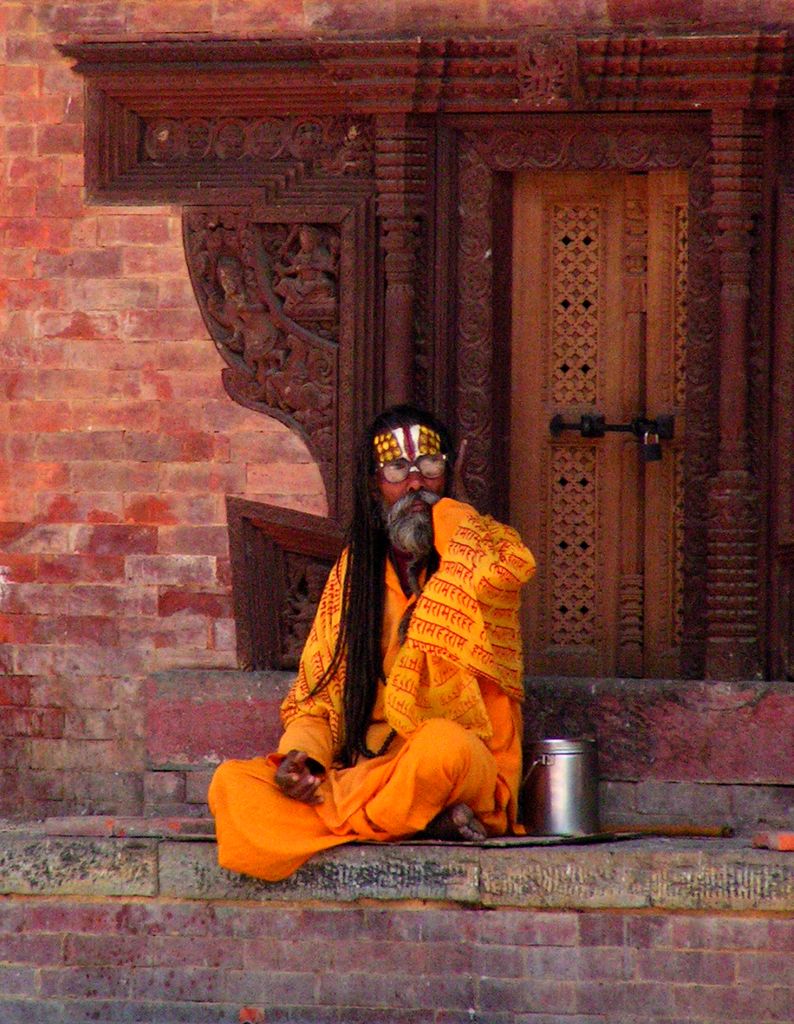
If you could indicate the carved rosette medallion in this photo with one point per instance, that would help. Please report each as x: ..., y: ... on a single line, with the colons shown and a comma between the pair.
x: 546, y: 70
x: 269, y: 294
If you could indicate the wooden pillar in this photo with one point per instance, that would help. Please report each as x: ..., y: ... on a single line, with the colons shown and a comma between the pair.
x: 401, y: 172
x: 732, y: 647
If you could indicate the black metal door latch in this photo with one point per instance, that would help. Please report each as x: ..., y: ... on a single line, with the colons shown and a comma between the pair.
x: 650, y: 432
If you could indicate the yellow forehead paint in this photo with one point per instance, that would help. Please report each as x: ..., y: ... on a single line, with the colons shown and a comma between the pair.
x: 407, y: 443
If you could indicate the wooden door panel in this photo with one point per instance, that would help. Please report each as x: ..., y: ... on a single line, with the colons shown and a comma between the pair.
x: 567, y: 342
x: 599, y: 519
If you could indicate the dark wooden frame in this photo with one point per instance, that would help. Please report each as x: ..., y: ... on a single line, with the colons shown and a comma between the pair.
x: 260, y: 539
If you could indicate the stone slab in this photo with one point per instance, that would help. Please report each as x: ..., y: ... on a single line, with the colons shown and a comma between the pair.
x: 33, y: 863
x: 670, y: 874
x: 672, y: 730
x: 647, y: 729
x: 343, y: 875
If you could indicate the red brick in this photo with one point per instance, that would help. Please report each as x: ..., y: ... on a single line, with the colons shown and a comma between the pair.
x: 39, y: 476
x: 690, y: 968
x: 41, y: 173
x: 101, y: 263
x: 85, y: 599
x: 181, y: 631
x: 31, y: 721
x: 59, y: 138
x: 77, y: 325
x: 19, y: 138
x: 182, y: 732
x: 14, y: 690
x: 212, y: 605
x: 103, y: 507
x: 137, y: 228
x: 139, y: 259
x: 17, y: 629
x: 59, y: 202
x: 119, y: 539
x: 202, y: 477
x: 40, y: 417
x: 40, y: 949
x: 163, y: 325
x: 42, y: 538
x: 149, y: 509
x: 117, y: 293
x: 200, y: 509
x: 19, y: 202
x: 171, y: 569
x: 113, y: 476
x: 19, y: 568
x: 107, y: 415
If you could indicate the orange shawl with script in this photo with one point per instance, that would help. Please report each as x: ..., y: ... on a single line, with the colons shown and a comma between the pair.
x: 464, y: 630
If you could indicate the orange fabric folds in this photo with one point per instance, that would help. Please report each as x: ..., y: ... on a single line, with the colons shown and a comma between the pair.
x: 452, y: 694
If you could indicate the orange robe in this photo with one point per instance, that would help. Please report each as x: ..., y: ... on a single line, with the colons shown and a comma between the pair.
x: 452, y: 694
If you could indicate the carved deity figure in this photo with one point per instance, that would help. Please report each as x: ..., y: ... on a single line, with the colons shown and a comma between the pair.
x: 253, y: 334
x: 307, y: 279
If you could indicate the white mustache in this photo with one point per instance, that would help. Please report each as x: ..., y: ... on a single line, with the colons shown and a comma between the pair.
x: 402, y: 506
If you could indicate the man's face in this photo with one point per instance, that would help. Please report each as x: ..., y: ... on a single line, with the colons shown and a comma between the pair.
x: 408, y: 444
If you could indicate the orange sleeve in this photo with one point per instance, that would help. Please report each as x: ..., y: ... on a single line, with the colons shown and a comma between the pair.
x: 448, y: 514
x: 310, y: 734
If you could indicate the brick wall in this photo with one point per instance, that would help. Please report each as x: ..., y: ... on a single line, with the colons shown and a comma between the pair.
x: 76, y: 960
x: 117, y: 443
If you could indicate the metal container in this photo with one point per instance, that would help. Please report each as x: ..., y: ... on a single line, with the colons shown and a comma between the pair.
x: 559, y: 793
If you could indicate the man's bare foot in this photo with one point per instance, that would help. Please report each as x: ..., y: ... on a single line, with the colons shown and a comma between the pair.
x: 456, y: 823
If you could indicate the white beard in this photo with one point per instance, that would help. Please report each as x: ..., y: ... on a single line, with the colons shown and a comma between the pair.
x: 411, y: 531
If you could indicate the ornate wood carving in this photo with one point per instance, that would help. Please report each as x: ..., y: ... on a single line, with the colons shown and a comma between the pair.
x: 287, y: 125
x: 280, y: 561
x: 403, y: 150
x: 275, y: 288
x: 547, y: 72
x: 482, y: 156
x: 782, y: 603
x: 733, y: 612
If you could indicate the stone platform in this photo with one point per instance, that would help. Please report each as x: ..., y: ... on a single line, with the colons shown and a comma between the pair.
x: 131, y: 920
x: 177, y: 859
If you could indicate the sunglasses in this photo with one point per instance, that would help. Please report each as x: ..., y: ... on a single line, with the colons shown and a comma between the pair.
x: 431, y: 467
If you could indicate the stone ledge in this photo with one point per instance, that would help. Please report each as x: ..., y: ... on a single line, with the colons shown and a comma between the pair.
x: 679, y: 874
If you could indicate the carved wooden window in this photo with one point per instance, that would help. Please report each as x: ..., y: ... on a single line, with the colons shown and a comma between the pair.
x: 280, y: 561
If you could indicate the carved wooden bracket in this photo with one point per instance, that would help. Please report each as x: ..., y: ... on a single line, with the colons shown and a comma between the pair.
x: 282, y: 292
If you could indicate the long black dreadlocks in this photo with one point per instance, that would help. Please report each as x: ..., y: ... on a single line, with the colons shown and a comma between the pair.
x: 358, y: 645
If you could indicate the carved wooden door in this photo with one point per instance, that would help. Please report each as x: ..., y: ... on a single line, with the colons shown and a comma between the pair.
x: 599, y: 321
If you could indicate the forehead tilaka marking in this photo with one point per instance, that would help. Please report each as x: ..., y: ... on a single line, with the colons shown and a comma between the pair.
x: 407, y: 443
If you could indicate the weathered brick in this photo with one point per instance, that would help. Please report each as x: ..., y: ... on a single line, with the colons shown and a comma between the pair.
x: 116, y: 540
x: 59, y: 138
x: 198, y: 602
x: 14, y: 690
x: 699, y: 968
x: 18, y: 981
x: 31, y: 721
x: 33, y: 948
x: 172, y: 569
x: 152, y: 229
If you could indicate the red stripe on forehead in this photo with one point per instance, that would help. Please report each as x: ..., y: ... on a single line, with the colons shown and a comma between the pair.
x: 410, y: 447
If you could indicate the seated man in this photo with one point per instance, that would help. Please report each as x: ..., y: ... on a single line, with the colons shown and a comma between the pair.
x: 405, y: 717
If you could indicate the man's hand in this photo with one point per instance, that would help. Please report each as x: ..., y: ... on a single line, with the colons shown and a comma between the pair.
x: 296, y: 779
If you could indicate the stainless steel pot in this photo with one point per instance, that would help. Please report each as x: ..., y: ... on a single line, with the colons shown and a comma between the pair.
x: 559, y: 792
